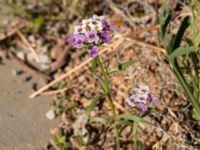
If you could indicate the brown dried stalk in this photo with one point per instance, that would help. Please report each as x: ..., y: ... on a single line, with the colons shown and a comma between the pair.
x: 26, y: 67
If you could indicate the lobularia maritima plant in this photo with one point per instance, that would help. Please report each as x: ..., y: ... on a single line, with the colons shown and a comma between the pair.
x: 185, y: 61
x: 92, y: 34
x: 144, y: 102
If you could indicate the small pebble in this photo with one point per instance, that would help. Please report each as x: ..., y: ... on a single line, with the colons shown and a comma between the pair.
x: 51, y: 114
x: 21, y: 55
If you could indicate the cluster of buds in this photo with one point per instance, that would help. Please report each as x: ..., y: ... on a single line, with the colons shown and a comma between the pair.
x: 92, y: 33
x: 141, y: 99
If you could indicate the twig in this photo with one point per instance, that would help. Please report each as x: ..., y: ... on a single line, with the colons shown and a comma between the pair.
x: 140, y: 43
x: 61, y: 60
x: 12, y: 31
x: 60, y: 41
x: 27, y: 68
x: 55, y: 91
x: 27, y: 44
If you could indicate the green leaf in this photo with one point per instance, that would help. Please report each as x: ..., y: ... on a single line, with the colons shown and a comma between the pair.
x: 122, y: 66
x: 178, y: 38
x: 163, y: 24
x: 141, y: 146
x: 181, y: 51
x: 167, y: 39
x: 92, y: 105
x: 68, y: 106
x: 128, y: 117
x: 94, y: 64
x: 133, y: 118
x: 59, y: 139
x: 98, y: 120
x: 38, y: 22
x: 195, y: 114
x: 119, y: 123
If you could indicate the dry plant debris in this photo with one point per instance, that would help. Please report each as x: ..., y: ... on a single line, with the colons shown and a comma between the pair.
x: 47, y: 55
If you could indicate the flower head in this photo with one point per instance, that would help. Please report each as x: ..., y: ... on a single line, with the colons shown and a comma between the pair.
x: 93, y: 51
x: 141, y: 99
x: 90, y: 32
x: 92, y: 36
x: 77, y: 40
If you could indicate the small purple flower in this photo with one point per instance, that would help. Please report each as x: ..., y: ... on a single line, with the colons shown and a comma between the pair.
x: 142, y: 107
x: 77, y: 40
x: 105, y: 36
x: 92, y: 36
x: 71, y: 39
x: 93, y: 51
x: 130, y: 101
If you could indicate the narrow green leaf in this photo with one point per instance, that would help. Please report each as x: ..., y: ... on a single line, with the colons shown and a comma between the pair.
x: 119, y: 123
x: 133, y: 118
x: 164, y: 23
x: 167, y: 39
x: 184, y: 25
x: 141, y: 146
x: 195, y: 114
x: 122, y: 66
x: 182, y: 51
x: 129, y: 117
x: 94, y: 64
x: 68, y: 106
x: 92, y: 105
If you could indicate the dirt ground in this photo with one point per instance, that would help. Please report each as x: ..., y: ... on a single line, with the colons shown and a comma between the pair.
x: 22, y: 120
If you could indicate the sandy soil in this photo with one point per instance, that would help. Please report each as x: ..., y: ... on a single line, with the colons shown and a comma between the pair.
x: 23, y: 125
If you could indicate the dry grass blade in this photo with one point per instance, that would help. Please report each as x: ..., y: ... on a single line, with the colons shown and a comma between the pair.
x: 142, y: 44
x: 27, y: 44
x: 55, y: 92
x: 12, y: 31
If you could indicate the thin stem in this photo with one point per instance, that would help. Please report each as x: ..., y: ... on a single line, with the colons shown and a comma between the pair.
x: 108, y: 94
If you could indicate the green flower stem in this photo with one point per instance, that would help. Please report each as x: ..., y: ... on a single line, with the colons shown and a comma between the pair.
x: 135, y: 131
x: 108, y: 94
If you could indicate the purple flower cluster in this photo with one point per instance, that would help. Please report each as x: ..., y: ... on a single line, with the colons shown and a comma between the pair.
x: 141, y: 99
x: 92, y: 33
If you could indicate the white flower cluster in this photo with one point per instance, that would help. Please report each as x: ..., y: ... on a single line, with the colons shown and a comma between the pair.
x: 94, y: 23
